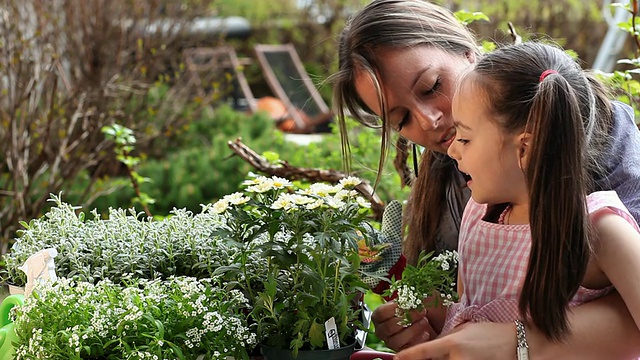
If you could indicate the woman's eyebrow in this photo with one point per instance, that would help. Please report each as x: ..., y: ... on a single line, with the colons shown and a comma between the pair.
x: 419, y: 75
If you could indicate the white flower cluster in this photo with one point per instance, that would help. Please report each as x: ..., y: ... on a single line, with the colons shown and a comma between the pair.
x: 408, y: 298
x: 314, y: 197
x: 446, y: 259
x: 137, y: 321
x: 432, y: 277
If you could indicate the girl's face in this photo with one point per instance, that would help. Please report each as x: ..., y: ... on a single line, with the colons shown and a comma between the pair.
x: 483, y: 151
x: 418, y: 85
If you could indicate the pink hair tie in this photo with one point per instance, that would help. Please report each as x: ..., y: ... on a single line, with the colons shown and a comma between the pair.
x: 545, y: 73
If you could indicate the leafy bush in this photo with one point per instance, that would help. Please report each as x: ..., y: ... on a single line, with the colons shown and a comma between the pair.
x: 197, y: 169
x: 202, y: 169
x: 625, y: 81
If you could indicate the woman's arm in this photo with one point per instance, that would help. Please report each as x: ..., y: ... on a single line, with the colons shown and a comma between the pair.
x: 601, y: 329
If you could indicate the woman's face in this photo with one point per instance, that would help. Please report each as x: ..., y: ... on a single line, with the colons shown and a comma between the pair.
x: 418, y: 84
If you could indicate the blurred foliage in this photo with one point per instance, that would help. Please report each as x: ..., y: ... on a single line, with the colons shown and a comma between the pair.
x: 313, y: 27
x: 68, y: 68
x: 625, y: 81
x: 202, y: 168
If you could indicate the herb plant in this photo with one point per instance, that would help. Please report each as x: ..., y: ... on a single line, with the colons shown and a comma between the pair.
x: 92, y: 248
x: 132, y: 286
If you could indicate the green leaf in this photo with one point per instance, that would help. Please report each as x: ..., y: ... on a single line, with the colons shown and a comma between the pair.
x: 373, y: 300
x: 467, y: 17
x: 316, y: 334
x: 272, y: 157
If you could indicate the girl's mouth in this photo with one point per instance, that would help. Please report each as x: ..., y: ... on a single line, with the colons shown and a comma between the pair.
x: 466, y: 176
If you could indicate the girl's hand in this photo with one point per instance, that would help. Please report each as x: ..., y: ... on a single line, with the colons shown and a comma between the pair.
x: 471, y: 341
x: 398, y: 337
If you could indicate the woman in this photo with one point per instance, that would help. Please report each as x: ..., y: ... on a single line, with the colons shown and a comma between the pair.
x: 399, y: 60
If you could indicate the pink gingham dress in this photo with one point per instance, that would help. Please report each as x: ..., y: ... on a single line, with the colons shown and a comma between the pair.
x: 493, y: 263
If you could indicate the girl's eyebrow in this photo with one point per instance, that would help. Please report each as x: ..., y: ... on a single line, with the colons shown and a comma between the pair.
x: 458, y: 124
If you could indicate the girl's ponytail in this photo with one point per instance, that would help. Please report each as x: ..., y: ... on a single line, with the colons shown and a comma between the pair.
x: 556, y: 174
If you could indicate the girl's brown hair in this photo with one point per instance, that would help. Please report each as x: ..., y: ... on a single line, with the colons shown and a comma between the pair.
x: 399, y: 24
x: 568, y: 115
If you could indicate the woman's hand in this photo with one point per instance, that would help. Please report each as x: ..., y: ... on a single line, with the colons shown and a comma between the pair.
x: 398, y: 337
x: 601, y: 329
x: 471, y: 341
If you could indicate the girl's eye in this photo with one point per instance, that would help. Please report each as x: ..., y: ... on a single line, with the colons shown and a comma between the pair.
x: 435, y: 87
x: 462, y: 141
x: 403, y: 122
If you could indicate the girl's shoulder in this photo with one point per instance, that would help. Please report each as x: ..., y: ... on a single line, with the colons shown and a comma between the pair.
x: 609, y: 201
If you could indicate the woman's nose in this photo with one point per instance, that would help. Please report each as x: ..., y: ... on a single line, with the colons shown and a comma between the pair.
x: 428, y: 117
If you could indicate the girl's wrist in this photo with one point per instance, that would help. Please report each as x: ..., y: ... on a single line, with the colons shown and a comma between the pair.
x: 538, y: 346
x: 522, y: 346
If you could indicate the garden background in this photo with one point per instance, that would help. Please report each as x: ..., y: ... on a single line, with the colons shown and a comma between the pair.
x: 70, y: 67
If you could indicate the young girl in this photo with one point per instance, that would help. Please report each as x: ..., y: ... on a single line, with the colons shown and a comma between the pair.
x: 534, y: 239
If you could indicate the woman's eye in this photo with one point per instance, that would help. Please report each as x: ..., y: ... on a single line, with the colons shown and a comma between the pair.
x: 403, y: 122
x: 462, y: 141
x: 435, y: 87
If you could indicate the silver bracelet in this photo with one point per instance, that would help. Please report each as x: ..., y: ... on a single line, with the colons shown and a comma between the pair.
x: 523, y: 347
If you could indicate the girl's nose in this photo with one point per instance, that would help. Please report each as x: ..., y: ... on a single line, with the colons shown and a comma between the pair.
x: 452, y: 151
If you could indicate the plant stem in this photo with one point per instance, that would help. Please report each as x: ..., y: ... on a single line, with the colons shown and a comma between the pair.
x: 136, y: 186
x: 335, y: 279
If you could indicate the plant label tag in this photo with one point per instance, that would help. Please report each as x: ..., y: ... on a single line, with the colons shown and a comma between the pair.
x: 331, y: 331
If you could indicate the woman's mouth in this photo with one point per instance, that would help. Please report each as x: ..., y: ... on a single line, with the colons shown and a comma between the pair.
x: 447, y: 139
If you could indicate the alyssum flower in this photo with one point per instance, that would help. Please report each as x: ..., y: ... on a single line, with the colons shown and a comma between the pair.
x: 433, y: 278
x: 177, y: 318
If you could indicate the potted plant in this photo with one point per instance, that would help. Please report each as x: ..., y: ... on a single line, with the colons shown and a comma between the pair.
x: 292, y: 251
x: 297, y: 262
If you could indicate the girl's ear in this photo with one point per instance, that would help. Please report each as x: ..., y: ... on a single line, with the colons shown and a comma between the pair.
x: 524, y: 139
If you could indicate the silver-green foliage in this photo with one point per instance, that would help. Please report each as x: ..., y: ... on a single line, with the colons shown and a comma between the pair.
x: 92, y: 248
